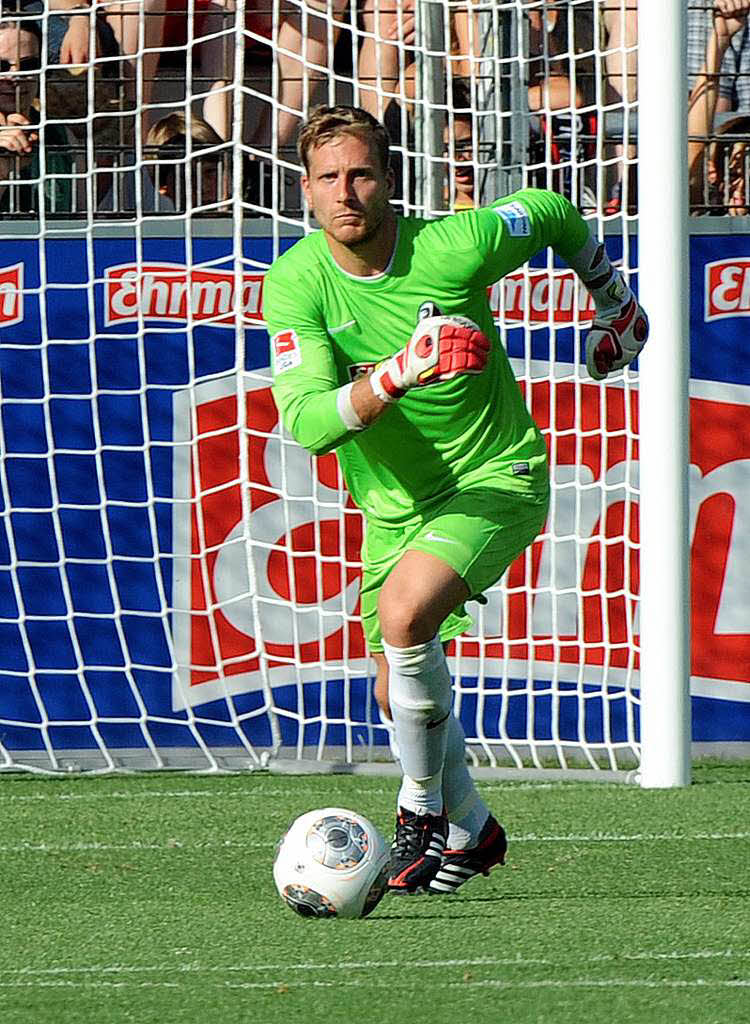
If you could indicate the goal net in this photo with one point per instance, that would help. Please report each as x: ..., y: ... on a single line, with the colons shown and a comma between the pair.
x: 179, y: 582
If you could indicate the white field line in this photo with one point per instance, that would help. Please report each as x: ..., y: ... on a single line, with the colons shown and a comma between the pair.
x: 653, y: 956
x: 605, y: 983
x: 178, y: 794
x: 133, y: 847
x: 282, y: 985
x: 614, y: 837
x: 250, y: 793
x: 210, y: 844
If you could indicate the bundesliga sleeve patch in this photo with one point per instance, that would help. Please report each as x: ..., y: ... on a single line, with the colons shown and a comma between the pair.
x: 286, y: 351
x: 516, y: 219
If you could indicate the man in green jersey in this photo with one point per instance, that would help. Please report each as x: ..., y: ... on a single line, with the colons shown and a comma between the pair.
x: 432, y: 433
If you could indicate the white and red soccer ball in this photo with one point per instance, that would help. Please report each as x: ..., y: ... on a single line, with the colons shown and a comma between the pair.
x: 331, y: 862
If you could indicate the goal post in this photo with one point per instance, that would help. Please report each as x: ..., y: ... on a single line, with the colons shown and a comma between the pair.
x: 179, y: 581
x: 664, y: 262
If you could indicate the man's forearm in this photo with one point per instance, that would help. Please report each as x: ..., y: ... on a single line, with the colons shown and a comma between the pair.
x: 366, y: 403
x: 69, y: 5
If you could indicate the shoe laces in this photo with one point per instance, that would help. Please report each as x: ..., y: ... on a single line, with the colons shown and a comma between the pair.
x: 410, y: 834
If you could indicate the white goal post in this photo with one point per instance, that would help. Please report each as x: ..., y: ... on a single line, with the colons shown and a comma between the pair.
x: 179, y: 581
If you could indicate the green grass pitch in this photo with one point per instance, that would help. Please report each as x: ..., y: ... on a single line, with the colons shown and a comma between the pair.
x: 150, y: 899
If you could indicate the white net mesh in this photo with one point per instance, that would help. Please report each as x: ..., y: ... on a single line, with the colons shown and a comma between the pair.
x: 178, y: 580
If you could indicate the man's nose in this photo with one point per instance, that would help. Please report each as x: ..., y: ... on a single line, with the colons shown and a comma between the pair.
x: 344, y: 187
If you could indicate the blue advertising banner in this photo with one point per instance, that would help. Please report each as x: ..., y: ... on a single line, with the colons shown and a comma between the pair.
x: 104, y: 385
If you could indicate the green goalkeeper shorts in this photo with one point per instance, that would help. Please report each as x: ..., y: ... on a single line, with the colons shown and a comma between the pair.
x: 478, y: 533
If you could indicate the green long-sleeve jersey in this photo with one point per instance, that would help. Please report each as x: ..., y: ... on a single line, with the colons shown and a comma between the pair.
x: 328, y: 327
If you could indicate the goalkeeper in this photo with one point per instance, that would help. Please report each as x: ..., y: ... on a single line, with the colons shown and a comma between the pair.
x: 433, y: 437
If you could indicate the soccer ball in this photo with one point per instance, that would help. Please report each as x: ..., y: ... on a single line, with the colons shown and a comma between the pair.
x: 331, y: 863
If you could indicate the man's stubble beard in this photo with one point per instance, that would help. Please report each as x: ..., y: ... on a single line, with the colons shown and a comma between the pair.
x: 371, y: 231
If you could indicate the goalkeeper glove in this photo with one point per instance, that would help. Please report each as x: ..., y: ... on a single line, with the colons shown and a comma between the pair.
x: 615, y: 341
x: 441, y: 347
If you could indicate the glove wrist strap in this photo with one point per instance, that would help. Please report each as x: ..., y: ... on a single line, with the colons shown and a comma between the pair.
x: 605, y: 283
x: 386, y: 383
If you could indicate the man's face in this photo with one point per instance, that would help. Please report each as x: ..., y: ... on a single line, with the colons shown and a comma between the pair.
x: 461, y: 151
x: 347, y: 189
x: 19, y: 52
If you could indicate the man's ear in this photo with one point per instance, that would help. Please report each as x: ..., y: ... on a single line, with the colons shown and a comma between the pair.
x: 305, y: 183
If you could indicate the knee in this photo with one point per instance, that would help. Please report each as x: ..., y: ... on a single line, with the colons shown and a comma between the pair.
x: 402, y: 622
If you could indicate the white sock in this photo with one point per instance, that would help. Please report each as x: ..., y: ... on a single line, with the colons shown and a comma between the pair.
x: 467, y: 812
x: 392, y: 741
x: 421, y: 698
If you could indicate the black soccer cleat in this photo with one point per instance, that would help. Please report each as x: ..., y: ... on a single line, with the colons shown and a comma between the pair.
x: 458, y: 866
x: 416, y: 850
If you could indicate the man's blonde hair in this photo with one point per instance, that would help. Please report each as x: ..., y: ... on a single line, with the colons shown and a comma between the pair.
x: 175, y: 128
x: 326, y: 123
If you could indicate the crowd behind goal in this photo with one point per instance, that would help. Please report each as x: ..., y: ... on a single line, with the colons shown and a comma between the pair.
x: 124, y: 109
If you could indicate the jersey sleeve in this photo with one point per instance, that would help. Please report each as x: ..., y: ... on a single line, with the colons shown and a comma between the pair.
x: 305, y: 379
x: 512, y: 230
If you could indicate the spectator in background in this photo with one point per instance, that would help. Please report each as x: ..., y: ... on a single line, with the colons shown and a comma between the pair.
x: 386, y: 56
x: 116, y: 30
x: 138, y: 27
x: 301, y: 44
x: 201, y: 168
x: 385, y: 79
x: 385, y: 76
x: 212, y: 56
x: 734, y: 70
x: 465, y: 44
x: 460, y: 148
x: 718, y: 171
x: 68, y: 34
x: 562, y: 92
x: 619, y: 24
x: 22, y: 130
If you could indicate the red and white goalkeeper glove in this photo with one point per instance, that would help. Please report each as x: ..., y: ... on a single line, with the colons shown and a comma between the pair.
x: 614, y: 342
x: 440, y: 348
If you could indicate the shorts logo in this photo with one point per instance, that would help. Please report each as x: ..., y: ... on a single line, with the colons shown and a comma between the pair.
x: 434, y: 537
x: 286, y: 351
x: 516, y: 219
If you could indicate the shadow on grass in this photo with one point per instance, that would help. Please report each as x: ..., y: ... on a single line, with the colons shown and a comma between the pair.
x: 584, y: 895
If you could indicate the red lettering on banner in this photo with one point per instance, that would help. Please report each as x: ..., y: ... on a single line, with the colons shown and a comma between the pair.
x: 590, y: 435
x: 175, y: 293
x: 720, y: 503
x: 584, y: 590
x: 166, y: 291
x: 309, y: 563
x: 727, y: 289
x: 11, y: 295
x: 525, y: 297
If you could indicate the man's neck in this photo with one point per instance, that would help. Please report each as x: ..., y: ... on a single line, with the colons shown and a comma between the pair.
x: 369, y: 258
